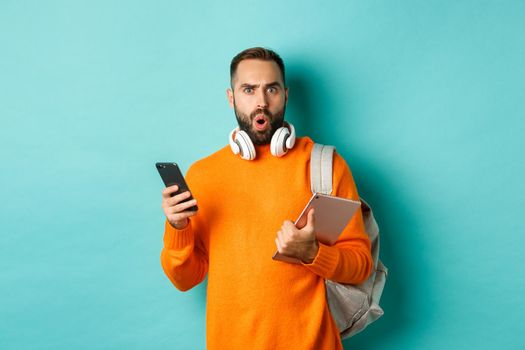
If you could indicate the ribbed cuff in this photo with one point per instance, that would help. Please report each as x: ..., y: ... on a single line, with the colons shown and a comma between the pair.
x: 325, y: 261
x: 178, y: 239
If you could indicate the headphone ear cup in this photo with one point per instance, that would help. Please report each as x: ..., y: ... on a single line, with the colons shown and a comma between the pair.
x: 247, y: 149
x: 234, y: 144
x: 278, y: 144
x: 290, y: 141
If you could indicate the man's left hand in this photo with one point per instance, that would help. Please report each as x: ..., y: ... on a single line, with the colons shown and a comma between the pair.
x: 298, y: 243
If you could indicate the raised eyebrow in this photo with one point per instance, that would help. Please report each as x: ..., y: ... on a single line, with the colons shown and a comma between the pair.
x: 251, y: 86
x: 274, y: 84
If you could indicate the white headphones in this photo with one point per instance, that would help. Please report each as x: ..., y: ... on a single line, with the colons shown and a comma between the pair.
x: 282, y: 140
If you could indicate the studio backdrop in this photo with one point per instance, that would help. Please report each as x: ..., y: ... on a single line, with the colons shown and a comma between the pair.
x: 424, y: 100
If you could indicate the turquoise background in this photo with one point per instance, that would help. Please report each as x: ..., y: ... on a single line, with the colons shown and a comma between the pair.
x: 424, y: 99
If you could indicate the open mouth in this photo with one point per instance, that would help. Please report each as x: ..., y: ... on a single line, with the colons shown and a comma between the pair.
x: 261, y: 122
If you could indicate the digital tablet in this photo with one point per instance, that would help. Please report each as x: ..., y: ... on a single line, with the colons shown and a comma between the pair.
x: 332, y: 214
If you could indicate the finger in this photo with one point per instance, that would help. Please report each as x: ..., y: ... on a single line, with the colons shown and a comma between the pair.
x: 282, y: 238
x: 287, y: 224
x: 169, y: 190
x: 290, y: 232
x: 181, y: 216
x: 311, y: 219
x: 178, y: 198
x: 278, y: 244
x: 179, y: 208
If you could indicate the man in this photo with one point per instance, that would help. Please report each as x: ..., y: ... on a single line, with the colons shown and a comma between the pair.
x: 245, y: 207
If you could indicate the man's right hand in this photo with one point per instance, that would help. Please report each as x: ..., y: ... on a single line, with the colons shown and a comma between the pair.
x: 176, y: 212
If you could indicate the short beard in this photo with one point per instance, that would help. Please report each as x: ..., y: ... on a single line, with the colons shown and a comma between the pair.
x: 260, y: 137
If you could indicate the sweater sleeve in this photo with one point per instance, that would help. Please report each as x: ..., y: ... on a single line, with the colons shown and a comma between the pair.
x: 349, y: 260
x: 183, y: 259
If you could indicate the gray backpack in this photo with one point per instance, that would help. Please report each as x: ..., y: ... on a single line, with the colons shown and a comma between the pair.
x: 353, y: 307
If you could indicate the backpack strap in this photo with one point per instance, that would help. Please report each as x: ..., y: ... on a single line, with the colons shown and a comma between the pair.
x: 321, y: 168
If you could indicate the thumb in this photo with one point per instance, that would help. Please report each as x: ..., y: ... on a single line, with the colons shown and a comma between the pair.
x: 310, y: 220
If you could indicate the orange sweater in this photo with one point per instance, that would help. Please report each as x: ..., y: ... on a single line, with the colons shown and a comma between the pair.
x: 254, y: 302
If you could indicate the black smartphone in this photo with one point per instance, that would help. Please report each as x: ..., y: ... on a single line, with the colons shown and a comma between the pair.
x: 171, y: 175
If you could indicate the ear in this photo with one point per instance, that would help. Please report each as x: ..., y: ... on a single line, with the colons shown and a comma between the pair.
x: 285, y: 95
x: 229, y: 95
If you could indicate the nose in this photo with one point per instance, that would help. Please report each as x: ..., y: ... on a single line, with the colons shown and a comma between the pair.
x: 262, y: 100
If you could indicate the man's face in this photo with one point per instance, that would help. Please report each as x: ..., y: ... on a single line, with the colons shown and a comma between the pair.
x: 258, y: 99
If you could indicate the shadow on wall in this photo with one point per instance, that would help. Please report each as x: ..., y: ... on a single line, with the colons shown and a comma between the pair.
x: 309, y: 108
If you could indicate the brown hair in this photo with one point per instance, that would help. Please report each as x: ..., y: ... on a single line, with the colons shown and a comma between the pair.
x: 259, y: 53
